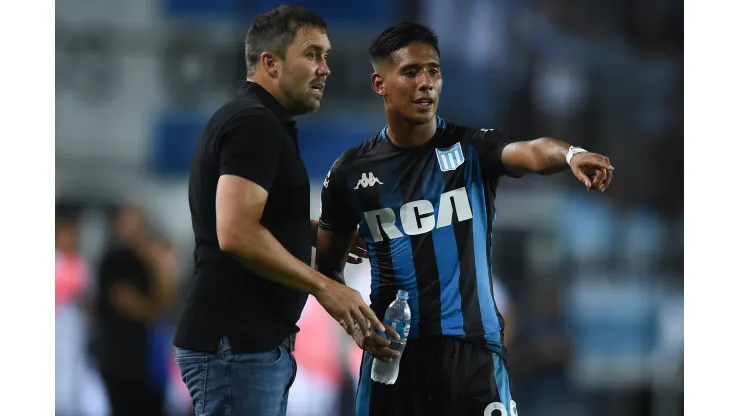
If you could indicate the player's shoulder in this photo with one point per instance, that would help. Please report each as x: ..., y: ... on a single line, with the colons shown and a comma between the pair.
x: 354, y: 153
x: 455, y: 132
x: 243, y: 112
x: 252, y: 111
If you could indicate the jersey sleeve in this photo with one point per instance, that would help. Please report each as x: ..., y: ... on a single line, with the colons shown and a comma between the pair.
x: 490, y: 144
x: 336, y: 212
x: 250, y: 148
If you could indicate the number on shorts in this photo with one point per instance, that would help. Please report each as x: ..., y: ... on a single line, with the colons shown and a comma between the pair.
x: 501, y: 408
x: 495, y: 406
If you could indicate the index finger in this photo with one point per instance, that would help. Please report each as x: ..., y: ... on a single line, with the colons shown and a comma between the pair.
x: 392, y: 332
x: 599, y: 177
x: 598, y: 162
x: 370, y: 315
x: 383, y: 353
x: 361, y: 322
x: 608, y: 180
x: 378, y: 340
x: 346, y: 323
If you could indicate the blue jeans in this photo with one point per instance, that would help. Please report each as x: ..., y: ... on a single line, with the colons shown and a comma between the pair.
x: 227, y: 384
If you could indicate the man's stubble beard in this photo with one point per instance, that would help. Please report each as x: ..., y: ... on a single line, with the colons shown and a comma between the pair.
x: 297, y: 101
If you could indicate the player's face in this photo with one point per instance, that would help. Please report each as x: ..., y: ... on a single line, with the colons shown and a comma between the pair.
x: 304, y: 71
x: 412, y: 86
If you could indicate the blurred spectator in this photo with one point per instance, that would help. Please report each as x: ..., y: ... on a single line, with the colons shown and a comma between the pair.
x: 71, y: 269
x: 136, y: 286
x: 69, y: 347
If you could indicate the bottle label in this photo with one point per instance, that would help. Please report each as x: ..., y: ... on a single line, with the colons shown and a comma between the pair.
x: 402, y: 328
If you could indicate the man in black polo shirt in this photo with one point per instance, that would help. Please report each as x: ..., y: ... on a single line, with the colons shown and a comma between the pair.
x: 249, y: 202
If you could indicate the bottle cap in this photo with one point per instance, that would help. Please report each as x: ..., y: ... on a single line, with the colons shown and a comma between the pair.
x: 402, y: 294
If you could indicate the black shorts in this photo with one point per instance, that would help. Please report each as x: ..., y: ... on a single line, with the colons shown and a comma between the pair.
x: 439, y: 376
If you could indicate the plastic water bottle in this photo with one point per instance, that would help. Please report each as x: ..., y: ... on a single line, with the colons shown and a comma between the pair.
x: 398, y: 317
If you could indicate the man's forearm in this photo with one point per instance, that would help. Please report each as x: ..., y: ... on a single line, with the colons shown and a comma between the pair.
x: 543, y: 156
x: 259, y: 251
x: 548, y: 155
x: 333, y: 273
x: 332, y: 250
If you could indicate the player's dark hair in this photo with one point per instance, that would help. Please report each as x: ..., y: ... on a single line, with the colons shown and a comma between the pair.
x: 399, y: 36
x: 274, y: 30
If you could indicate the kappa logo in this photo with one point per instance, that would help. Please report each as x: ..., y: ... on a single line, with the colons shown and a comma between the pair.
x: 368, y: 180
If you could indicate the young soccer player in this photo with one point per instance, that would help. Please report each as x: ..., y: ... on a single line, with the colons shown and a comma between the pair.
x: 422, y: 191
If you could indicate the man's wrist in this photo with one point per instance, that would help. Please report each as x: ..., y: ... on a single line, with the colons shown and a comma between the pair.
x: 572, y: 151
x: 322, y: 282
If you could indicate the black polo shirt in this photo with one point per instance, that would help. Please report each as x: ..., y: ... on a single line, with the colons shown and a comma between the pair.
x: 252, y: 137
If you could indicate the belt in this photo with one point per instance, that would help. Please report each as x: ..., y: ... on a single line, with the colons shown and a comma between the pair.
x: 289, y: 343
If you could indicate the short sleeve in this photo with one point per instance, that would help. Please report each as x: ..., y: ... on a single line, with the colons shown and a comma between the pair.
x: 250, y: 148
x: 490, y: 144
x: 336, y: 212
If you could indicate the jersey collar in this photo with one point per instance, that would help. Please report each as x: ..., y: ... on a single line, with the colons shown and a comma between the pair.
x: 248, y: 88
x: 440, y: 129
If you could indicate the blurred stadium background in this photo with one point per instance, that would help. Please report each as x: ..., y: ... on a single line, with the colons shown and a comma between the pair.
x: 592, y: 284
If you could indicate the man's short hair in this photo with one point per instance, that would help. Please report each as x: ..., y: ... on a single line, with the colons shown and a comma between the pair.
x: 274, y: 30
x: 399, y: 36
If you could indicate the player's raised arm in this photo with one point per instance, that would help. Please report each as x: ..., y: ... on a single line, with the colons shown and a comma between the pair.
x: 506, y: 156
x: 543, y: 156
x: 546, y: 155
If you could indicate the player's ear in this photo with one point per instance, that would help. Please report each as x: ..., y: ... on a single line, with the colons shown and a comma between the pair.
x: 270, y: 63
x: 378, y: 86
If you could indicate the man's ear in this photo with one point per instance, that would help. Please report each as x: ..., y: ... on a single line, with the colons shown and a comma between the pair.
x: 376, y: 80
x: 271, y: 64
